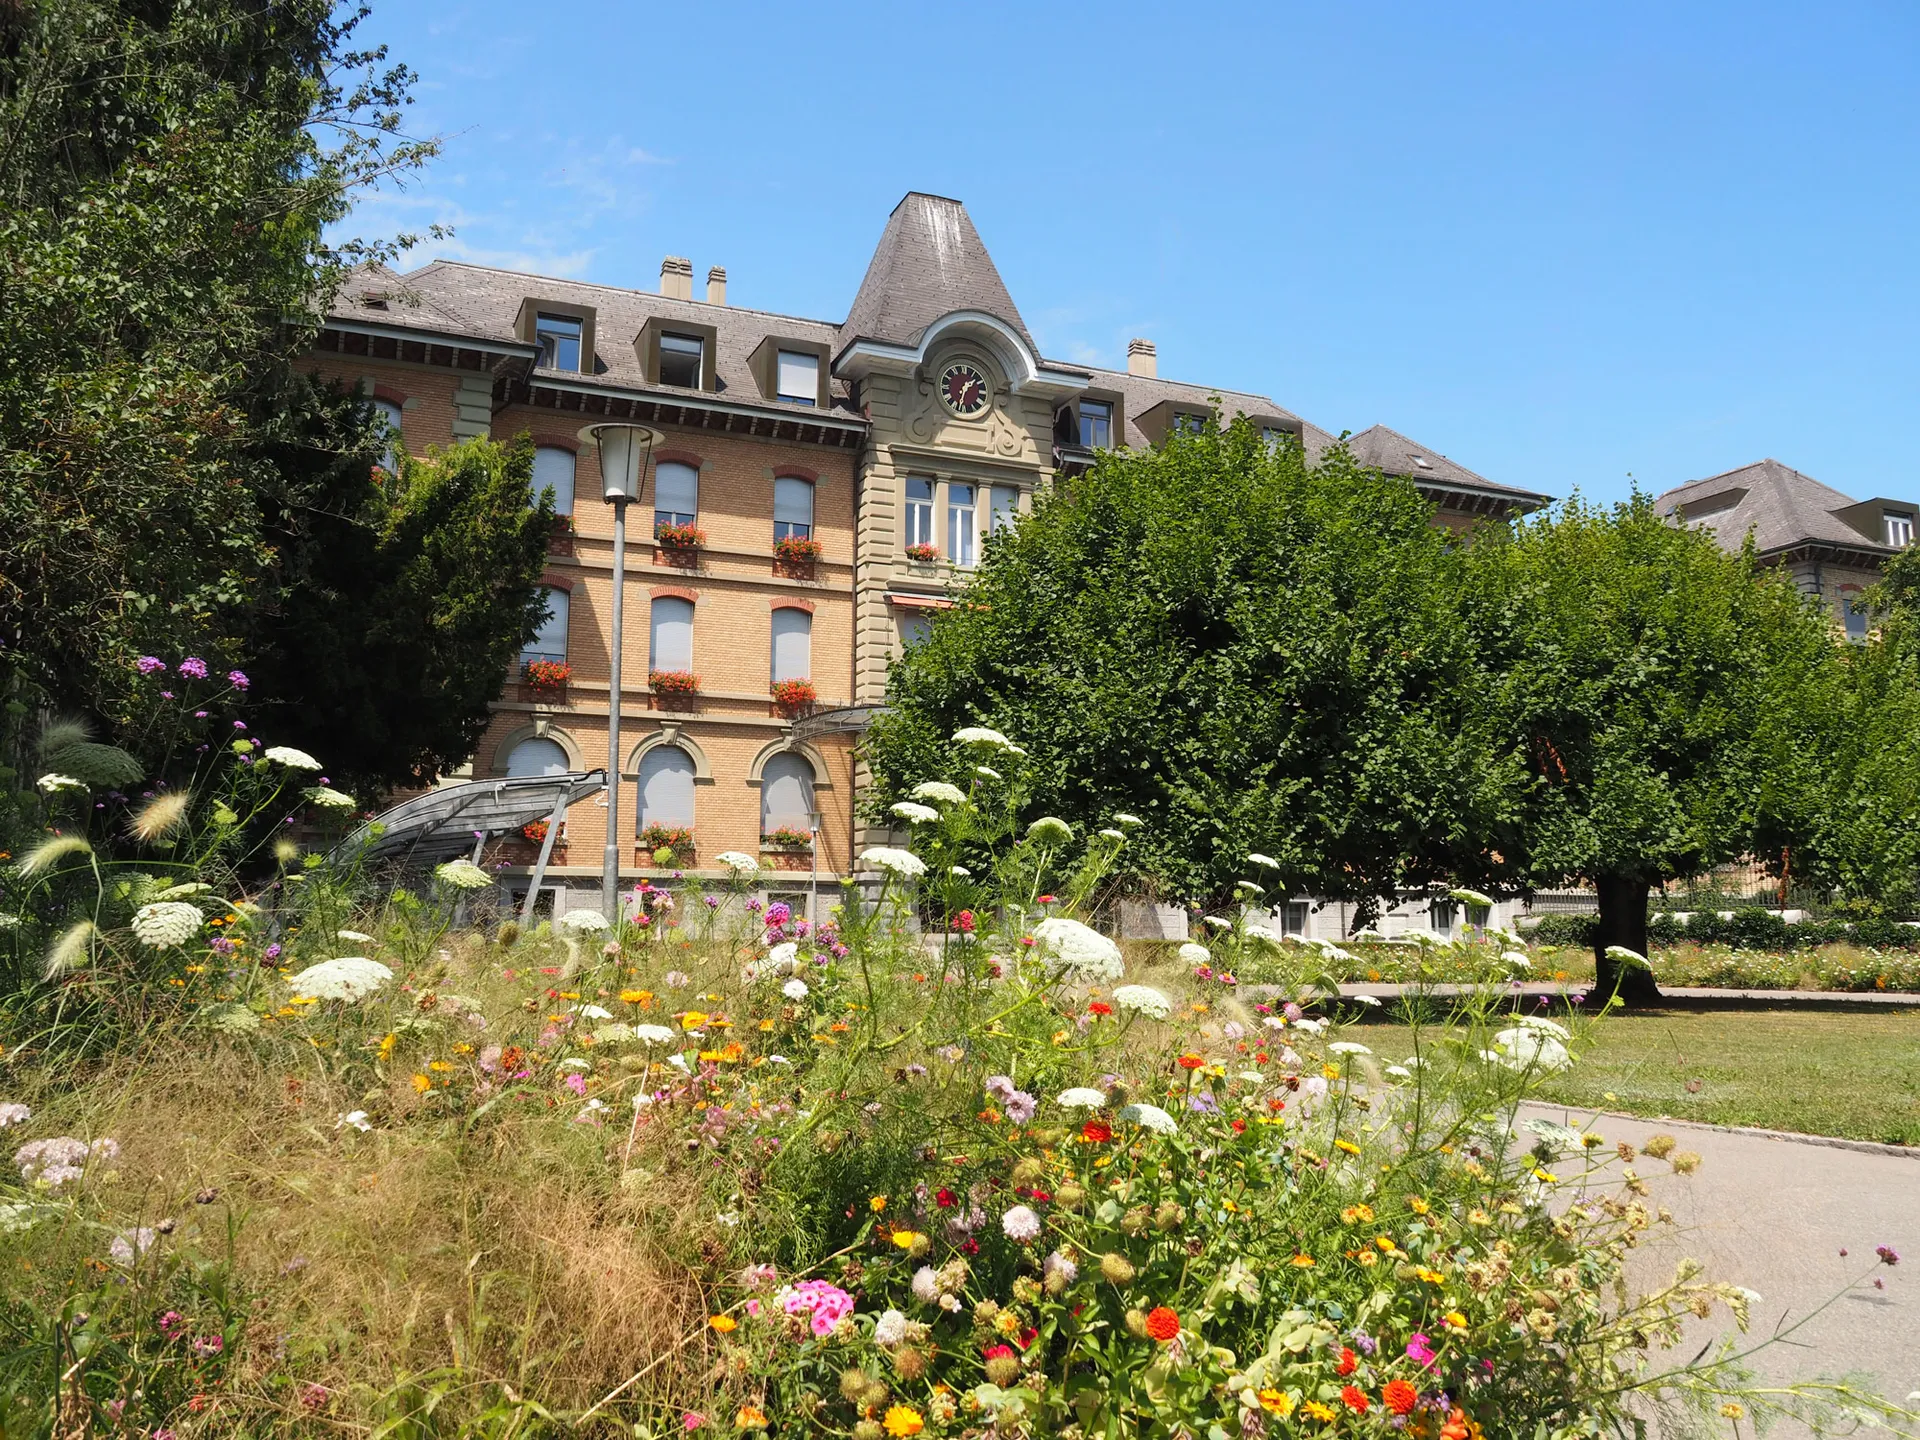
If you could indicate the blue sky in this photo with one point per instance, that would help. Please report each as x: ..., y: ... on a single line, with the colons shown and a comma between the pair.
x: 1563, y: 244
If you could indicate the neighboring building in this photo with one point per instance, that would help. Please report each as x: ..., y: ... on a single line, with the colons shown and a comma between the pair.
x: 1831, y: 544
x: 898, y: 440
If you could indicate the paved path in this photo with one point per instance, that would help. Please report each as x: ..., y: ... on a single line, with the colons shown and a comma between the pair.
x: 1680, y: 996
x: 1773, y: 1213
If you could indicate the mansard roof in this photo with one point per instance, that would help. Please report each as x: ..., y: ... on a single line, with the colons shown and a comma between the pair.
x: 930, y: 262
x: 1394, y: 454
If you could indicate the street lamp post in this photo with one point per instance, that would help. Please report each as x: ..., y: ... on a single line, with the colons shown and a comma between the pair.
x: 624, y: 453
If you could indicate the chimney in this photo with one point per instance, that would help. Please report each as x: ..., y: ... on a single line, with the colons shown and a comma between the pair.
x: 1140, y: 359
x: 676, y: 277
x: 717, y: 285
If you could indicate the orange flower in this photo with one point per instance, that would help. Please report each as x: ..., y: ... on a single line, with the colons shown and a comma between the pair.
x: 723, y: 1323
x: 1456, y: 1426
x: 1355, y: 1399
x: 1096, y: 1132
x: 1191, y: 1062
x: 1400, y: 1397
x: 1162, y: 1323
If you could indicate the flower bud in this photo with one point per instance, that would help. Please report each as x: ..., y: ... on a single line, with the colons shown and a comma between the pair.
x: 1116, y: 1268
x: 868, y: 1430
x: 1137, y: 1324
x: 909, y: 1364
x: 1169, y: 1216
x: 853, y: 1384
x: 1069, y: 1196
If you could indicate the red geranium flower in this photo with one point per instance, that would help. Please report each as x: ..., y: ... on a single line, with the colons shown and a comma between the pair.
x: 1100, y: 1007
x: 1348, y: 1362
x: 1239, y: 1127
x: 1162, y: 1323
x: 1400, y: 1397
x: 945, y: 1198
x: 1355, y: 1398
x: 963, y: 922
x: 1096, y: 1131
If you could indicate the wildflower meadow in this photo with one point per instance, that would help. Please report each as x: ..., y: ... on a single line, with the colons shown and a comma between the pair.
x: 293, y: 1152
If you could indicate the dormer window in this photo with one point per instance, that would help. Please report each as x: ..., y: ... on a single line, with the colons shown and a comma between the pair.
x: 1096, y: 424
x: 798, y: 378
x: 682, y: 359
x: 1187, y: 423
x: 558, y: 337
x: 1899, y: 529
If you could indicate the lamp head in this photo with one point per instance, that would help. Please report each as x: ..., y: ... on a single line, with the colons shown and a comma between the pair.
x: 624, y: 450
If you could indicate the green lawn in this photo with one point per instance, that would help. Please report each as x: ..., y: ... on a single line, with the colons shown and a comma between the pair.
x: 1815, y: 1072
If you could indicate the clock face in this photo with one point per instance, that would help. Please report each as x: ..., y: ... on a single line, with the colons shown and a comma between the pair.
x: 963, y: 388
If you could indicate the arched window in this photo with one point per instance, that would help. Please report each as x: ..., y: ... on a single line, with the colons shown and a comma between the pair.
x: 550, y: 641
x: 553, y: 470
x: 670, y: 645
x: 390, y: 457
x: 786, y: 793
x: 676, y: 494
x: 792, y: 508
x: 537, y: 757
x: 666, y: 787
x: 792, y: 645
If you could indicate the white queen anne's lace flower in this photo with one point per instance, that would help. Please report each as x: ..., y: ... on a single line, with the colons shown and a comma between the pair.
x: 1149, y: 1117
x: 1525, y: 1048
x: 940, y: 792
x: 291, y: 758
x: 1266, y: 861
x: 348, y: 978
x: 1192, y: 954
x: 166, y: 924
x: 54, y: 784
x: 327, y: 798
x: 1082, y: 1097
x: 463, y: 875
x: 1143, y: 1000
x: 583, y: 922
x: 904, y: 863
x: 1049, y: 830
x: 1349, y: 1047
x: 981, y: 736
x: 1471, y: 897
x: 1078, y: 949
x: 737, y: 862
x: 1121, y: 817
x: 653, y: 1035
x: 914, y: 814
x: 795, y: 989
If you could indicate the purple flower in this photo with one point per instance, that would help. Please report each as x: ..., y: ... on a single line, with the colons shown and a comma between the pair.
x: 238, y: 679
x: 199, y: 714
x: 1203, y: 1102
x: 147, y: 664
x: 779, y: 913
x: 208, y: 1345
x: 1888, y: 1255
x: 166, y: 694
x: 239, y: 724
x: 272, y: 952
x: 712, y: 902
x: 194, y: 668
x: 754, y: 906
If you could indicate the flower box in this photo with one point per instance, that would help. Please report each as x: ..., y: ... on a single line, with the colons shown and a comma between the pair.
x: 679, y: 537
x: 794, y: 698
x: 677, y: 839
x: 786, y: 839
x: 674, y: 689
x: 560, y: 540
x: 788, y: 859
x: 546, y: 678
x: 922, y: 554
x: 796, y: 556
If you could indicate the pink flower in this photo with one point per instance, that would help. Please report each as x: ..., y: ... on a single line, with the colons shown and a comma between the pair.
x: 1420, y: 1350
x: 826, y: 1305
x: 692, y: 1420
x: 577, y: 1083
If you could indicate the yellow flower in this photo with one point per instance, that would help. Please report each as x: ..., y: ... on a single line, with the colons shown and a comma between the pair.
x: 766, y: 1025
x: 1346, y: 1145
x: 1330, y: 1072
x: 1366, y: 1258
x: 636, y: 997
x: 694, y: 1020
x: 907, y: 1239
x: 463, y: 1048
x: 1277, y: 1402
x: 1455, y: 1319
x: 877, y: 1204
x: 1385, y: 1242
x: 569, y: 994
x: 1477, y: 1216
x: 1432, y: 1277
x: 439, y: 1065
x: 723, y: 1323
x: 422, y: 1084
x: 750, y: 1417
x: 1733, y: 1410
x: 1007, y: 1323
x: 1417, y: 1205
x: 1315, y: 1410
x: 904, y: 1420
x: 1303, y: 1261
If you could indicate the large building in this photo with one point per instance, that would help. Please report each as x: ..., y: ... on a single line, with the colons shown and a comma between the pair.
x: 818, y: 492
x: 1831, y: 544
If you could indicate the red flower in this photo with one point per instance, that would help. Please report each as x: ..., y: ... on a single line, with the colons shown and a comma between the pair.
x: 963, y: 922
x: 1097, y: 1132
x: 1400, y: 1397
x: 1355, y: 1398
x: 998, y: 1352
x: 1046, y: 899
x: 1100, y: 1007
x: 1162, y: 1324
x: 970, y: 1246
x: 1239, y: 1127
x: 1348, y: 1362
x: 945, y: 1198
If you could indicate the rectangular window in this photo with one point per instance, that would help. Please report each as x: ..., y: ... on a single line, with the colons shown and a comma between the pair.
x: 1899, y: 530
x: 792, y: 645
x: 919, y: 511
x: 676, y: 494
x: 682, y: 360
x: 1292, y: 915
x: 1003, y: 508
x: 960, y: 547
x: 1275, y: 438
x: 792, y: 508
x: 670, y: 634
x: 799, y: 378
x: 1189, y: 424
x: 1856, y: 617
x: 914, y: 630
x: 558, y: 337
x: 553, y: 470
x: 1440, y: 914
x: 550, y: 641
x: 1096, y: 424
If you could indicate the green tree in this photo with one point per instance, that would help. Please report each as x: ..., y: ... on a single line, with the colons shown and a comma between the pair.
x: 397, y: 605
x: 167, y: 174
x: 1662, y: 702
x: 1253, y: 654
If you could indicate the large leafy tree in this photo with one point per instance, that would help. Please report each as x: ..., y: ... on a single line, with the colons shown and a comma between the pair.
x: 1253, y: 654
x: 1664, y: 703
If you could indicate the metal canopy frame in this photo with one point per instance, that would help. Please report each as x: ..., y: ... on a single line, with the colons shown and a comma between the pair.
x: 445, y: 824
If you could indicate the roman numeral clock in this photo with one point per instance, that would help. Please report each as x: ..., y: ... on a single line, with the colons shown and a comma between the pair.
x: 963, y: 389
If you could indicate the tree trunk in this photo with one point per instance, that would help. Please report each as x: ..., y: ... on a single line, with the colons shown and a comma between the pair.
x: 1623, y: 921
